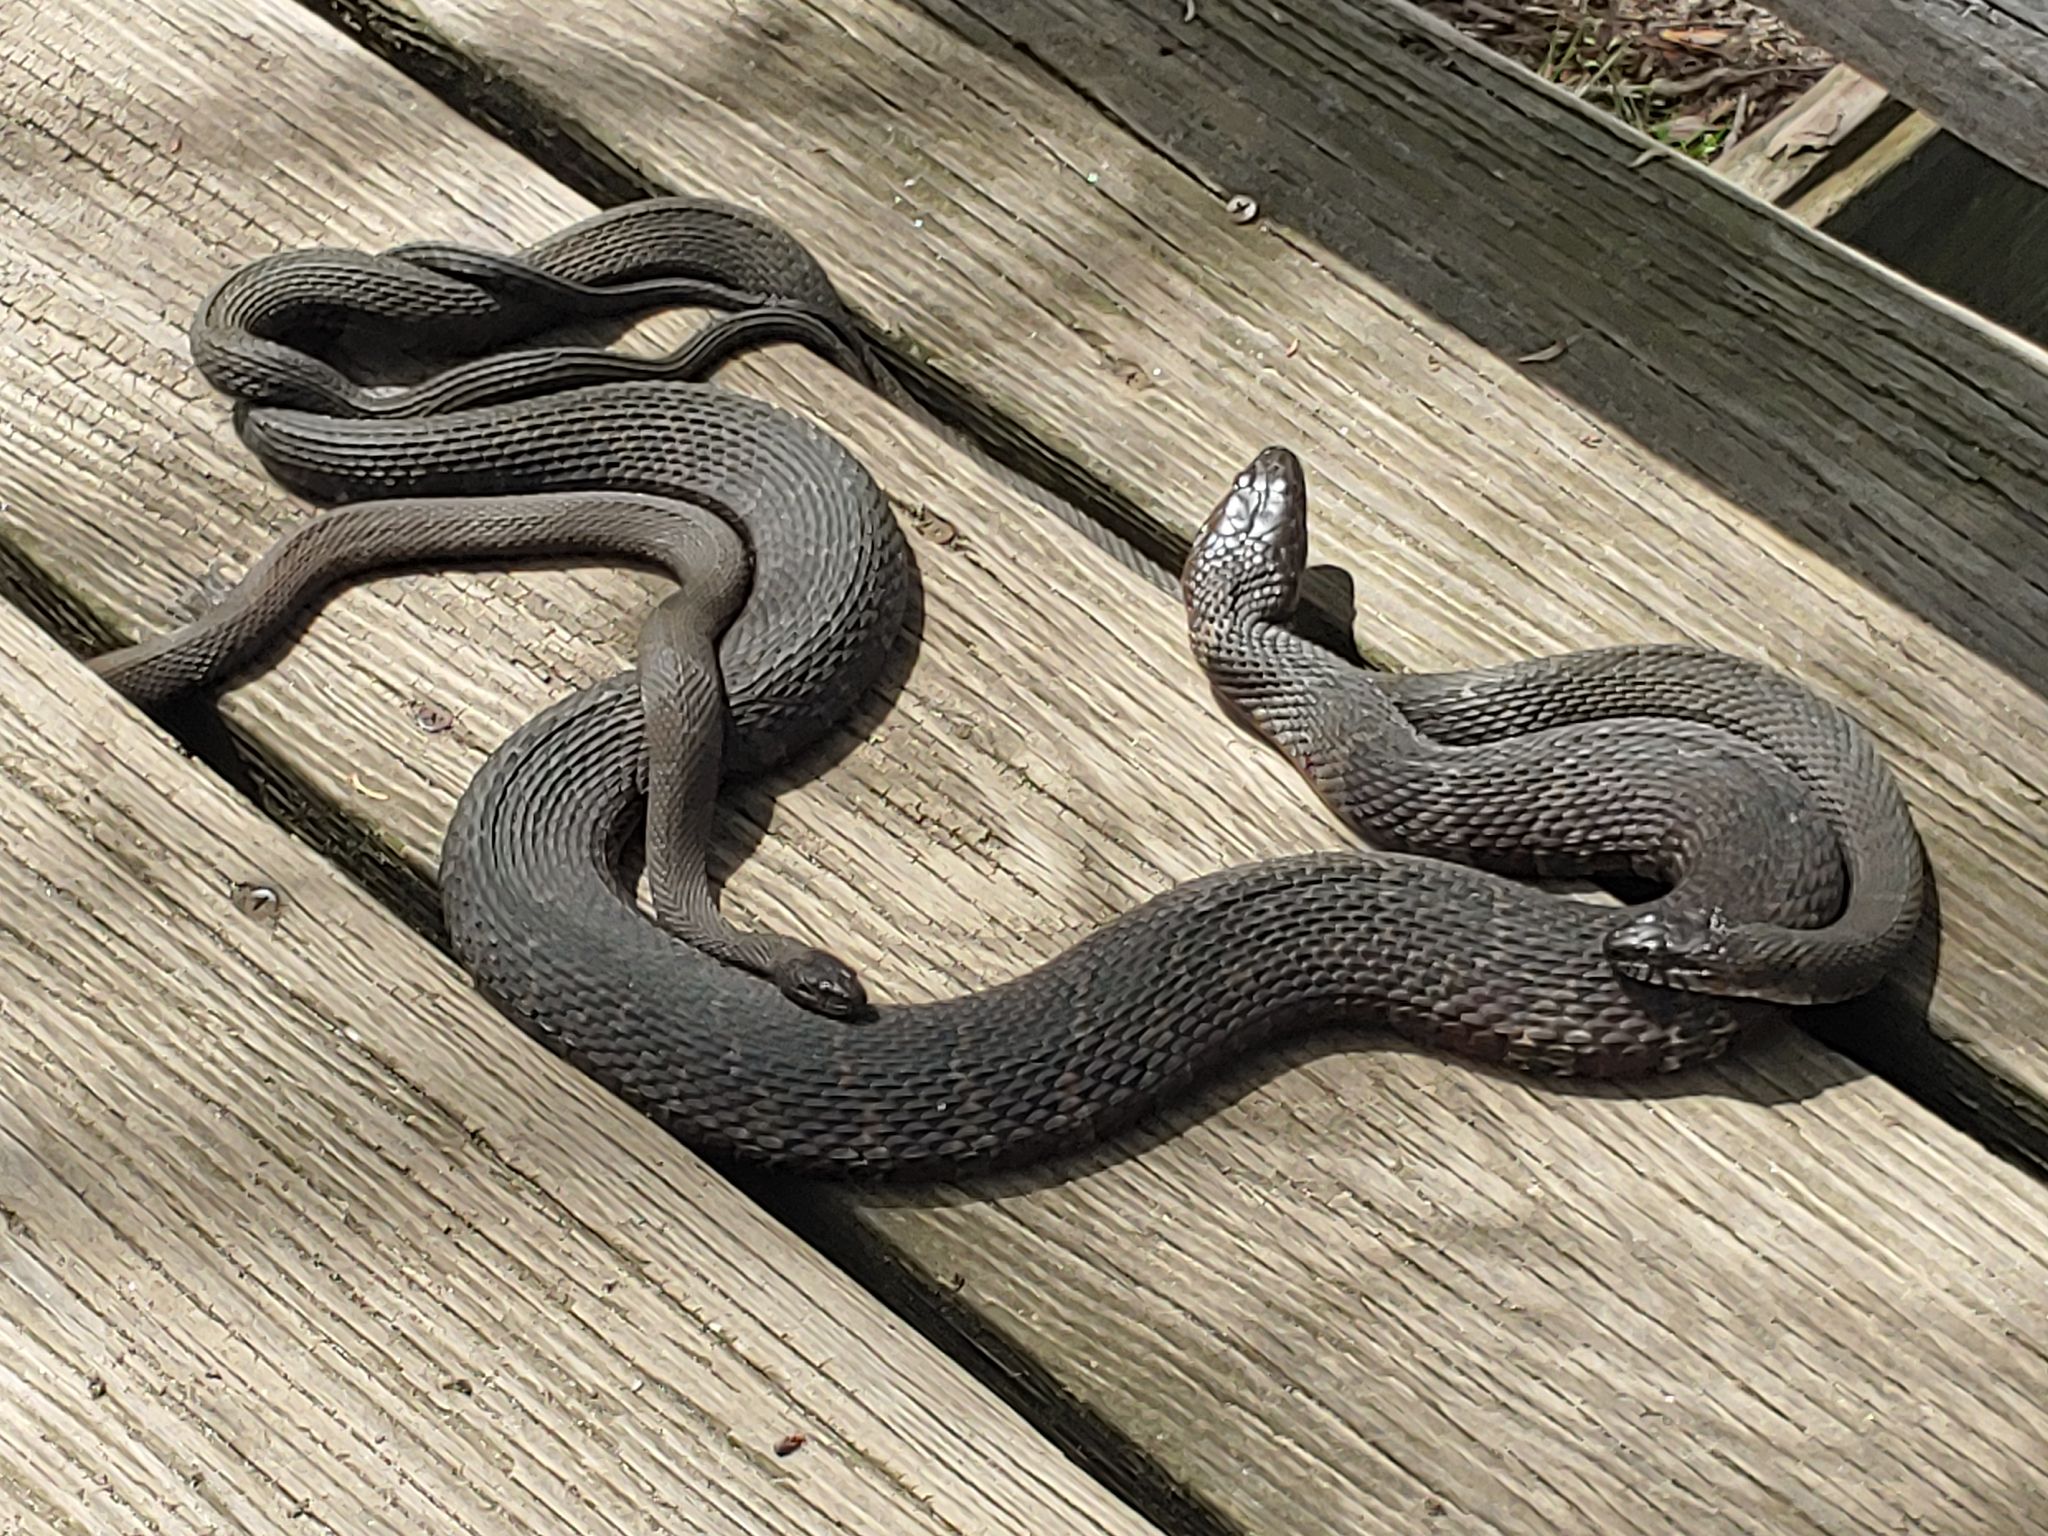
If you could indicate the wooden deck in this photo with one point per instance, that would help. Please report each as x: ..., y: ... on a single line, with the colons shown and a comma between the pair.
x: 1355, y: 1289
x: 1781, y: 430
x: 1851, y: 158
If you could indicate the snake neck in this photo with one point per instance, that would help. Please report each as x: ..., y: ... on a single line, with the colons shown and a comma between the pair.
x: 1316, y: 710
x: 1241, y: 584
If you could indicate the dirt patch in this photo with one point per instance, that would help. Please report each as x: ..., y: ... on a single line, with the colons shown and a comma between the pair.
x: 1697, y: 74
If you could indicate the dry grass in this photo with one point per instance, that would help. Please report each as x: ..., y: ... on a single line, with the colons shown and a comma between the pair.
x: 1698, y: 74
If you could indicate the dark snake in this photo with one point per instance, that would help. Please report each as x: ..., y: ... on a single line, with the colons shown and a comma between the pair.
x: 1789, y: 867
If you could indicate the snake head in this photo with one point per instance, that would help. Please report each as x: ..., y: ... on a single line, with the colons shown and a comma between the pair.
x: 1672, y: 948
x: 1247, y: 562
x: 822, y: 983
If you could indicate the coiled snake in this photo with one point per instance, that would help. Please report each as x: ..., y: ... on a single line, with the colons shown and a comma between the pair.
x: 1792, y: 873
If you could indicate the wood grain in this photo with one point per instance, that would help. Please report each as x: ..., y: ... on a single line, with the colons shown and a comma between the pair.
x: 1828, y: 198
x: 1358, y: 1290
x: 299, y: 1237
x: 1754, y: 439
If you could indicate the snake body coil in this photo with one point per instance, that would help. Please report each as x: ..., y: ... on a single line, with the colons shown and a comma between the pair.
x: 1792, y: 870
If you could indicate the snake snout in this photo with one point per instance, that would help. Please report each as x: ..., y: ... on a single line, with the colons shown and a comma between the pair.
x: 1252, y: 550
x: 1273, y: 493
x: 822, y: 984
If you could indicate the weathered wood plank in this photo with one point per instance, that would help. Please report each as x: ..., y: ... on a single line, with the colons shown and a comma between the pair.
x: 298, y: 1236
x: 1371, y: 1291
x: 1956, y: 220
x: 1980, y: 70
x: 1851, y: 159
x: 1802, y: 139
x: 1822, y: 202
x: 1777, y: 448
